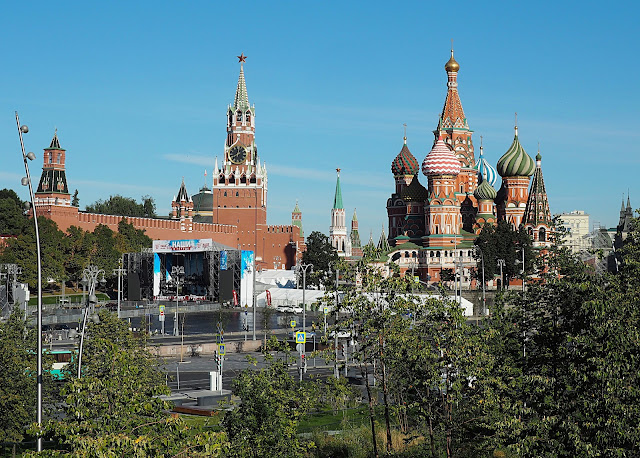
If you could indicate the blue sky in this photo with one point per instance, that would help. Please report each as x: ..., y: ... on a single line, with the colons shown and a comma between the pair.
x: 138, y: 92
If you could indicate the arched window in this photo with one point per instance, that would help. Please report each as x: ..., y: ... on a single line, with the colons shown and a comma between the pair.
x: 248, y: 117
x: 59, y: 157
x: 530, y: 232
x: 414, y: 254
x: 50, y: 158
x: 542, y: 235
x: 236, y: 193
x: 239, y: 116
x: 225, y: 193
x: 437, y: 254
x: 221, y: 180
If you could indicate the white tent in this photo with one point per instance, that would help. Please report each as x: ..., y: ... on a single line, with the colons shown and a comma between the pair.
x: 288, y: 296
x: 277, y: 278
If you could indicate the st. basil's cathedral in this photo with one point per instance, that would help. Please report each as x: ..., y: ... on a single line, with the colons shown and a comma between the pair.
x: 430, y: 227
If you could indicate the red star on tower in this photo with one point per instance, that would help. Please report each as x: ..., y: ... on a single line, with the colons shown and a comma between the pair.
x: 242, y: 57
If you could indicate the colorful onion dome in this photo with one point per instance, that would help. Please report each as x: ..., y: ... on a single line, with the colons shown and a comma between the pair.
x: 486, y: 170
x: 516, y: 162
x: 415, y: 192
x: 441, y: 161
x: 485, y: 191
x: 452, y: 65
x: 405, y: 163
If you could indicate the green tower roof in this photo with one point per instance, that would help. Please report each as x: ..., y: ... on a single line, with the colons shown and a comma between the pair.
x: 337, y: 200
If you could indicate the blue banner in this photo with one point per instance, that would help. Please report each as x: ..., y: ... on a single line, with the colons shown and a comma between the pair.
x: 223, y: 260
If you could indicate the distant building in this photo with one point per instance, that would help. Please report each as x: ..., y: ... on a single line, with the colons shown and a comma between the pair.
x: 577, y: 225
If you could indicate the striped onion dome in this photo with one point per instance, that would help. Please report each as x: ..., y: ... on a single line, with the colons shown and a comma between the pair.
x: 441, y: 161
x: 415, y: 192
x: 486, y: 170
x: 516, y: 162
x: 405, y: 163
x: 485, y: 191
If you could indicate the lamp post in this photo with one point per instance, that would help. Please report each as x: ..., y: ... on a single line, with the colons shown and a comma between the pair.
x: 90, y: 276
x: 522, y: 271
x: 484, y: 298
x: 120, y: 271
x: 501, y: 265
x: 176, y: 272
x: 304, y: 268
x: 26, y: 181
x: 455, y: 270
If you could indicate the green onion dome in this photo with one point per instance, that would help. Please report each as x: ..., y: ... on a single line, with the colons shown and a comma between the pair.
x: 485, y: 191
x: 415, y: 192
x: 405, y: 163
x: 516, y: 162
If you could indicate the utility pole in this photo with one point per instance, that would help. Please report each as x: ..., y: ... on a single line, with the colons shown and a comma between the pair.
x: 120, y: 271
x: 501, y: 265
x: 176, y: 272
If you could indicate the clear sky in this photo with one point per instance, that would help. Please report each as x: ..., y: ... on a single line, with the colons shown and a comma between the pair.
x: 138, y: 92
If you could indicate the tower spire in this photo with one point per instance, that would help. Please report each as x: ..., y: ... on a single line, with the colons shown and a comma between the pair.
x: 242, y: 99
x: 337, y: 199
x: 338, y: 228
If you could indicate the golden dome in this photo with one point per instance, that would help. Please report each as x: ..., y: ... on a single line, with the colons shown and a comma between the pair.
x: 452, y: 65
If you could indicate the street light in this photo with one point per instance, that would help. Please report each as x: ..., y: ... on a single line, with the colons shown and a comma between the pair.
x: 90, y: 276
x: 120, y: 271
x: 522, y: 271
x: 176, y: 272
x: 303, y: 268
x: 455, y: 270
x: 484, y: 298
x: 26, y: 181
x: 501, y: 265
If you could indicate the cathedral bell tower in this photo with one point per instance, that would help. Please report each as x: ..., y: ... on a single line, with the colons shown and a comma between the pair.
x: 454, y: 129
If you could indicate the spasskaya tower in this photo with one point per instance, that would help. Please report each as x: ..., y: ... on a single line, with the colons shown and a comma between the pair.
x: 240, y: 184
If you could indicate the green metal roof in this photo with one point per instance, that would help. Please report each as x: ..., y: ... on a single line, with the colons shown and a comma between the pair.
x: 337, y: 200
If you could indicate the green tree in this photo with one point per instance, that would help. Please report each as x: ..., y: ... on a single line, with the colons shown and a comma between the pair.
x: 78, y: 251
x: 22, y: 251
x: 501, y: 241
x: 17, y: 386
x: 124, y: 206
x: 114, y: 408
x: 322, y: 255
x: 266, y: 421
x: 129, y: 239
x: 75, y: 200
x: 12, y: 218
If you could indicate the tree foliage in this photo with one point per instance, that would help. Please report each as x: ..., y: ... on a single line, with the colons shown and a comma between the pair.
x: 114, y: 408
x: 322, y: 255
x: 501, y: 241
x: 266, y: 422
x: 12, y: 218
x: 124, y: 206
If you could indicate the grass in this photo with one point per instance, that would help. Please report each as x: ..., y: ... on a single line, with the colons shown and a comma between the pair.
x: 55, y: 299
x: 326, y: 420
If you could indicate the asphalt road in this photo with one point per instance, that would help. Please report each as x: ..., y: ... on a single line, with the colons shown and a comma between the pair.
x: 193, y: 372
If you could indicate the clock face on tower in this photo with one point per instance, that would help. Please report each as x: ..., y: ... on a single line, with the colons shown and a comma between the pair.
x: 237, y: 154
